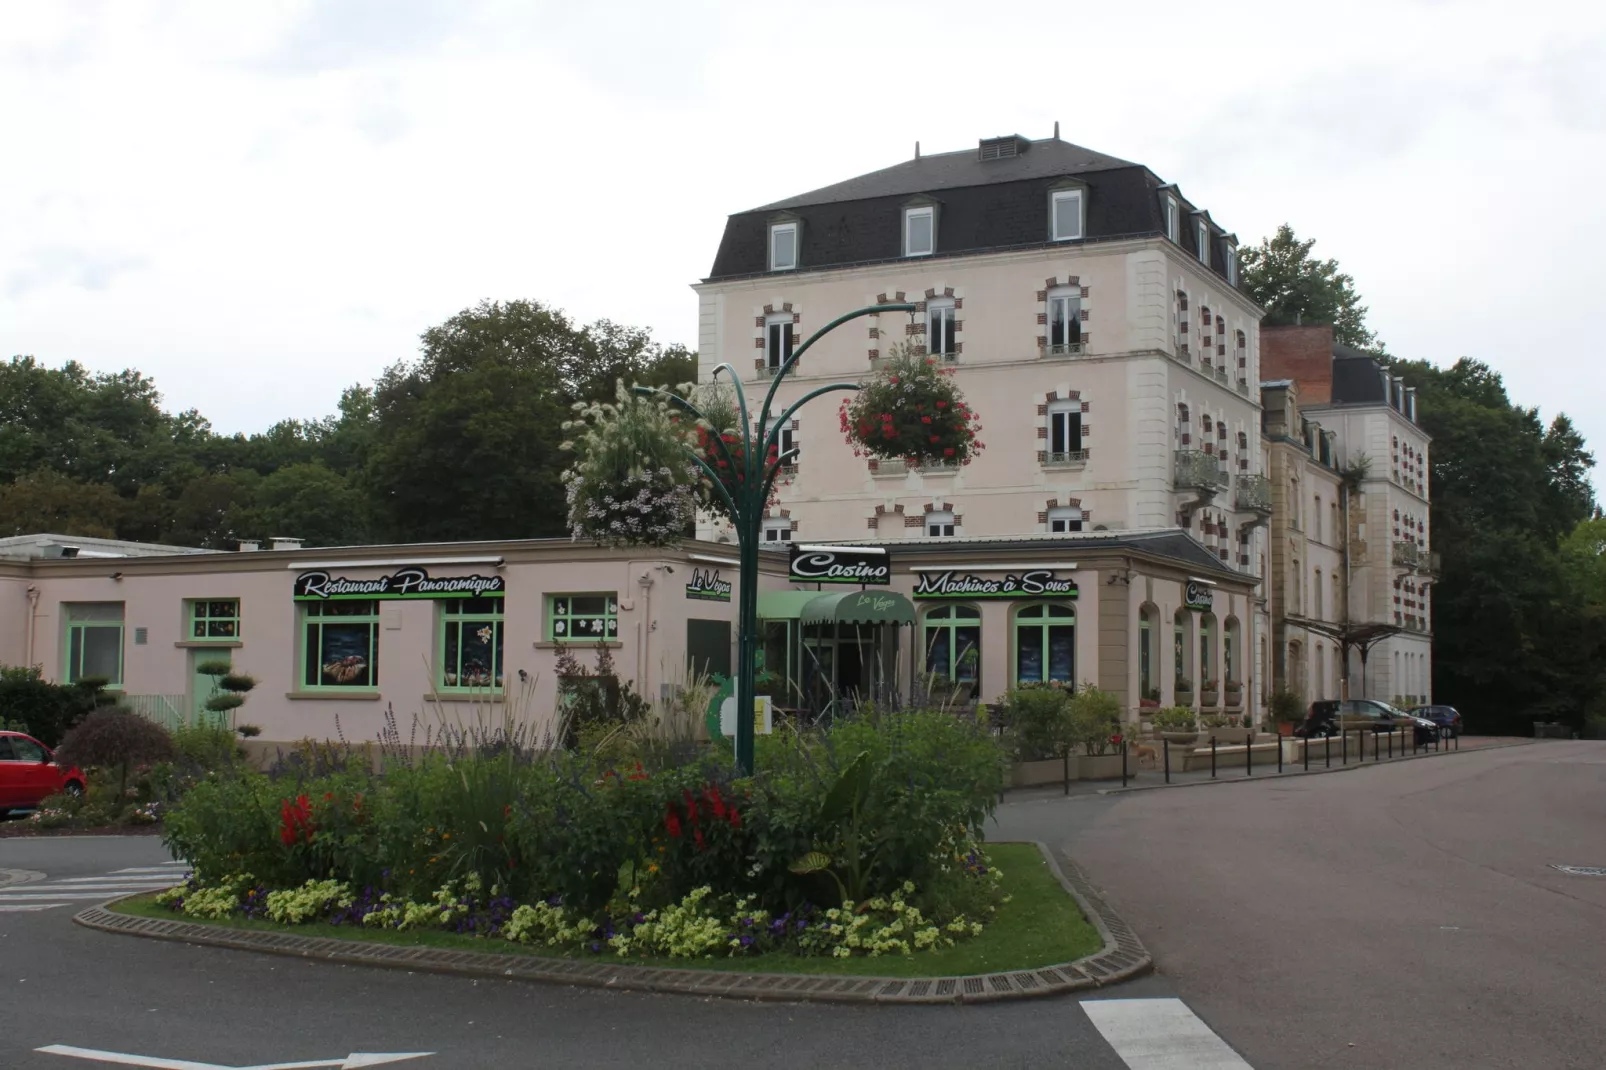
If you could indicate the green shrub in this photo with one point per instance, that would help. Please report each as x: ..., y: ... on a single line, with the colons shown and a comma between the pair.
x: 1039, y: 718
x: 115, y: 738
x: 1095, y: 718
x: 42, y: 709
x: 1175, y: 719
x: 1286, y: 706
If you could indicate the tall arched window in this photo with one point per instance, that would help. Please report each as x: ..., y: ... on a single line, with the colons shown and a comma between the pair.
x: 1065, y: 320
x: 952, y: 640
x: 1231, y: 651
x: 1045, y: 643
x: 1146, y: 640
x: 1064, y: 431
x: 1316, y: 594
x: 1207, y: 651
x: 1181, y: 648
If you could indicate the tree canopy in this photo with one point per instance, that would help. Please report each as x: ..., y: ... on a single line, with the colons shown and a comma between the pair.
x: 1282, y: 277
x: 459, y: 442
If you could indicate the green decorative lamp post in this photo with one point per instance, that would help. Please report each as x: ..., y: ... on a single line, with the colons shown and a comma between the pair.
x: 750, y: 485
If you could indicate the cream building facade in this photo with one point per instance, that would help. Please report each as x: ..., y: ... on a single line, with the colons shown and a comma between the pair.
x: 1092, y: 318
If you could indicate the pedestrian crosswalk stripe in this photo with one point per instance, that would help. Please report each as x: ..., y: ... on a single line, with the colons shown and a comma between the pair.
x: 1160, y: 1034
x: 19, y: 908
x: 153, y: 878
x: 165, y: 867
x: 65, y: 891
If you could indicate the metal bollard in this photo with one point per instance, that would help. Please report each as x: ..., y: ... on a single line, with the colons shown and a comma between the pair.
x: 1123, y: 761
x: 1457, y: 740
x: 1279, y: 742
x: 1343, y: 747
x: 1249, y: 755
x: 1212, y: 757
x: 1327, y: 749
x: 1165, y: 745
x: 1066, y: 757
x: 1391, y: 744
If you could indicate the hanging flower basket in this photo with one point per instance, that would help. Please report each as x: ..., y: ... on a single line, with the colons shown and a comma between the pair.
x: 911, y: 410
x: 722, y: 421
x: 632, y: 483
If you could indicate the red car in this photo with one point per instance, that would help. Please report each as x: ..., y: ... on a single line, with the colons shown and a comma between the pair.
x: 28, y: 773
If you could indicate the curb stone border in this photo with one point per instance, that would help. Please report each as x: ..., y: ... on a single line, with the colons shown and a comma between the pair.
x: 1122, y: 957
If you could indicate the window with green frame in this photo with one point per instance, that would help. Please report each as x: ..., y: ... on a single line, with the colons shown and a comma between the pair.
x: 1145, y: 655
x: 340, y: 644
x: 214, y: 620
x: 1045, y: 643
x: 471, y: 644
x: 1207, y: 650
x: 952, y: 641
x: 582, y: 618
x: 94, y: 641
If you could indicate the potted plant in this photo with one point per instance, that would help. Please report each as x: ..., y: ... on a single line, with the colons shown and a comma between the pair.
x: 1040, y: 731
x: 1176, y: 724
x: 1095, y: 724
x: 1234, y: 690
x: 1184, y: 691
x: 911, y: 410
x: 1210, y: 695
x: 1150, y: 699
x: 631, y: 482
x: 1287, y: 709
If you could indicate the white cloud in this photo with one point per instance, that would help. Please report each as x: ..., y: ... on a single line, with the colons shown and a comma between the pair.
x: 261, y: 203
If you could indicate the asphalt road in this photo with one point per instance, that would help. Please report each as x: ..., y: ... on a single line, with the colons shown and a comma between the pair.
x: 1405, y: 910
x: 1387, y: 916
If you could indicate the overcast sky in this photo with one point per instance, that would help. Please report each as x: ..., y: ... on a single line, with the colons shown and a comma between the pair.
x: 259, y: 204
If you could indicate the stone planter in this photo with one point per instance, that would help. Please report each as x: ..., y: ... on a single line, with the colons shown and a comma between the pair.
x: 1228, y: 737
x: 1185, y: 698
x: 1180, y: 737
x: 1041, y: 771
x: 1235, y: 699
x: 1098, y: 766
x: 1209, y: 698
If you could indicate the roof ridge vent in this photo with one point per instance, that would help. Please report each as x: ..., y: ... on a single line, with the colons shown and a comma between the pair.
x: 1002, y: 148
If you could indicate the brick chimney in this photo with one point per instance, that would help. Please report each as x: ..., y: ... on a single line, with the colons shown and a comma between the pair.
x: 1303, y: 354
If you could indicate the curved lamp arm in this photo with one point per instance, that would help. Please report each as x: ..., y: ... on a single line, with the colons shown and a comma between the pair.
x: 873, y: 310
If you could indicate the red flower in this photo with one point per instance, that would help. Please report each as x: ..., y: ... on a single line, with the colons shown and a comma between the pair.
x: 702, y: 845
x: 672, y: 824
x: 736, y: 818
x: 925, y: 419
x: 936, y: 438
x: 949, y: 452
x: 942, y: 404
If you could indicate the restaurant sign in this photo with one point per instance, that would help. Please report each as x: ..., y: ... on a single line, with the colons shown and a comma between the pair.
x: 707, y: 586
x: 409, y: 582
x: 1036, y: 583
x: 840, y: 564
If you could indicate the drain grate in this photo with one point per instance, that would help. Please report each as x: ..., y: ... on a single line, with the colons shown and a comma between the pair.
x: 1581, y: 871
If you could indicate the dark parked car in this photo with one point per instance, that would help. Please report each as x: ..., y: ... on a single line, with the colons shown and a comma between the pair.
x: 1327, y: 717
x: 1446, y: 717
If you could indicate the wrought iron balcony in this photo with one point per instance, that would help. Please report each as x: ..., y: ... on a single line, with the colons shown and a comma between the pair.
x: 1243, y: 387
x: 1254, y: 494
x: 1407, y: 555
x: 1198, y: 470
x: 1184, y: 354
x: 886, y: 467
x: 1062, y: 351
x: 1221, y: 376
x: 1068, y: 459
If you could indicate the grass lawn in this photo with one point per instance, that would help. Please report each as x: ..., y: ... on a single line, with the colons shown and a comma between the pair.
x: 1041, y: 925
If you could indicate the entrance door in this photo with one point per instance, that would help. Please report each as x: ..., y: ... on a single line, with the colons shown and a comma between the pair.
x: 201, y: 684
x: 708, y: 647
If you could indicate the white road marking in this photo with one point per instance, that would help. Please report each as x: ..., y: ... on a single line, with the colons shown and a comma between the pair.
x: 1160, y: 1034
x: 165, y: 867
x: 153, y: 879
x: 62, y: 893
x: 350, y: 1062
x: 8, y: 908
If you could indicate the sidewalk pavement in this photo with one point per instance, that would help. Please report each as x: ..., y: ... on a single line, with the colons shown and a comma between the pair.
x: 1229, y: 769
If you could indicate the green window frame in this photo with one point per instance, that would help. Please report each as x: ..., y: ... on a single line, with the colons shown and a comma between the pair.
x: 470, y: 645
x: 94, y: 645
x: 1207, y: 651
x: 1045, y: 643
x: 582, y: 618
x: 214, y: 620
x: 951, y: 639
x: 1145, y: 655
x: 340, y: 645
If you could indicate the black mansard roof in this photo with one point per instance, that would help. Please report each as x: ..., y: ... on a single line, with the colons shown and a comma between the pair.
x: 983, y: 205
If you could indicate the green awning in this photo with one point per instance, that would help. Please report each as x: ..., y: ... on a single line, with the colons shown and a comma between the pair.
x: 783, y: 605
x: 859, y: 607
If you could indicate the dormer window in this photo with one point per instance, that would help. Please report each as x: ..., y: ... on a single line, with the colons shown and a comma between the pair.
x: 1168, y: 211
x: 783, y: 246
x: 919, y: 231
x: 1232, y: 264
x: 1065, y: 211
x: 1204, y: 243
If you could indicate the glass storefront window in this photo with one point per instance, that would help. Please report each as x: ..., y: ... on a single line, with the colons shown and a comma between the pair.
x: 471, y: 643
x: 1045, y: 644
x: 340, y: 644
x: 215, y: 619
x: 952, y: 642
